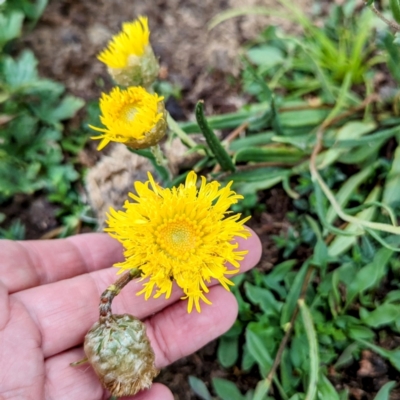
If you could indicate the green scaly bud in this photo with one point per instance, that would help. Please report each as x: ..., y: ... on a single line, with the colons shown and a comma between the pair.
x: 121, y: 355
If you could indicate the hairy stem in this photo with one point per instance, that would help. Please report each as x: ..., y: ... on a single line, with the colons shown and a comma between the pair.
x: 392, y: 24
x: 108, y: 295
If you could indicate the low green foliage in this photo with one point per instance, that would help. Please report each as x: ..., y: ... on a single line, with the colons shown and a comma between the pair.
x: 318, y: 130
x: 35, y: 153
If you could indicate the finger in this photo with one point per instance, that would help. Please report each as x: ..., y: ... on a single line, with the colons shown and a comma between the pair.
x: 65, y: 311
x: 20, y: 352
x: 173, y: 334
x: 4, y: 306
x: 66, y: 382
x: 157, y: 392
x: 31, y: 263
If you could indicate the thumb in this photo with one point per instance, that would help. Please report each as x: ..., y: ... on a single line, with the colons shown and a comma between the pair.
x: 156, y: 392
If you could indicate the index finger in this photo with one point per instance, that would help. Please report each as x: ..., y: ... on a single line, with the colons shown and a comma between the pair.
x: 30, y: 263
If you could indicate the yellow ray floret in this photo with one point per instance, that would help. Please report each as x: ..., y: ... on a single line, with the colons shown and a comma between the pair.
x: 132, y: 116
x: 131, y: 41
x: 185, y: 234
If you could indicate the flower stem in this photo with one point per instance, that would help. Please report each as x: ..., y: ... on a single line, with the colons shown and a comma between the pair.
x: 108, y: 295
x: 160, y: 159
x: 391, y: 24
x: 185, y: 138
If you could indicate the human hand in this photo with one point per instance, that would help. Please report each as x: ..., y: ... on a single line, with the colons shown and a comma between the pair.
x: 49, y: 295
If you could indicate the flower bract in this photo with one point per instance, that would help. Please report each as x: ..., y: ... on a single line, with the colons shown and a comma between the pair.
x: 185, y: 234
x: 132, y: 116
x: 129, y: 55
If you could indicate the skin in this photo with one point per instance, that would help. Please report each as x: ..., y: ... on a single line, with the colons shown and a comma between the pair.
x: 49, y: 295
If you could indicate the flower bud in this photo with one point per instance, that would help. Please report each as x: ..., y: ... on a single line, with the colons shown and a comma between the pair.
x: 153, y: 135
x: 139, y: 70
x: 132, y: 116
x: 121, y: 355
x: 129, y: 56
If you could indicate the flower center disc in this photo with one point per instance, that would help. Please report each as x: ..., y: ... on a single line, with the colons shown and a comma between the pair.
x: 129, y: 112
x: 178, y: 237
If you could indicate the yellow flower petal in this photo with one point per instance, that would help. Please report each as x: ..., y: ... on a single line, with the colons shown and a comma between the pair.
x: 180, y: 234
x: 132, y: 116
x: 131, y: 41
x: 129, y: 56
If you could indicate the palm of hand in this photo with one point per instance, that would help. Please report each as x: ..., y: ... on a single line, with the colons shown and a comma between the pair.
x: 21, y: 353
x: 49, y: 293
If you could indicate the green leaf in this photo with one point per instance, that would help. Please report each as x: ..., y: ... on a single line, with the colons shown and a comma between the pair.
x: 392, y: 183
x: 226, y: 390
x: 259, y: 183
x: 21, y: 131
x: 66, y: 109
x: 383, y: 315
x: 289, y: 377
x: 10, y: 26
x: 258, y: 350
x: 265, y: 55
x: 264, y: 298
x: 346, y: 358
x: 326, y: 390
x: 397, y: 38
x: 247, y: 359
x: 261, y: 390
x: 15, y: 232
x: 393, y: 52
x: 228, y: 351
x: 313, y: 350
x: 353, y: 130
x: 342, y: 243
x: 320, y: 256
x: 395, y: 8
x: 299, y: 351
x: 370, y: 275
x: 294, y: 294
x: 274, y: 153
x: 305, y: 118
x: 199, y: 387
x: 259, y: 139
x: 274, y: 278
x: 229, y: 120
x: 20, y: 72
x: 213, y: 142
x: 360, y: 332
x: 393, y: 296
x: 34, y: 11
x: 384, y: 391
x: 280, y: 271
x: 259, y: 175
x: 351, y: 185
x: 372, y: 140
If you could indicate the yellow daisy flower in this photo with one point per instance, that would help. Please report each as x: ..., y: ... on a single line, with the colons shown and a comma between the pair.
x: 184, y: 234
x: 132, y: 116
x: 129, y: 56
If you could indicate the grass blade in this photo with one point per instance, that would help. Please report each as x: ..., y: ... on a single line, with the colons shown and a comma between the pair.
x: 313, y: 344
